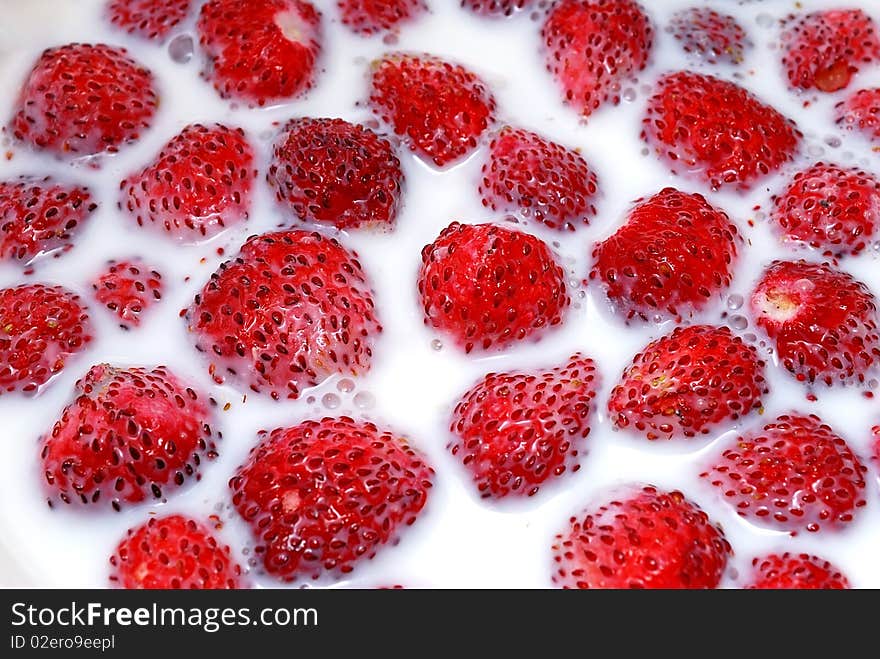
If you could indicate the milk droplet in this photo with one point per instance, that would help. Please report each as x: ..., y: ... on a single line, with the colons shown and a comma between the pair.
x: 364, y: 400
x: 181, y: 48
x: 833, y: 141
x: 345, y: 385
x: 629, y: 95
x: 330, y: 401
x: 739, y: 322
x: 436, y: 344
x: 311, y: 400
x: 815, y: 150
x: 735, y: 301
x: 804, y: 285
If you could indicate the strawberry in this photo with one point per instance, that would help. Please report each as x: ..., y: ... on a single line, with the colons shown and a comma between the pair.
x: 290, y: 310
x: 794, y: 474
x: 488, y: 286
x: 709, y: 35
x: 646, y: 538
x: 823, y: 49
x: 441, y: 108
x: 260, y: 51
x: 687, y: 382
x: 496, y: 7
x: 529, y: 174
x: 173, y: 552
x: 674, y: 254
x: 592, y: 47
x: 334, y: 172
x: 822, y: 321
x: 830, y: 208
x: 128, y: 289
x: 41, y: 327
x: 515, y: 431
x: 39, y: 216
x: 129, y: 435
x: 712, y: 129
x: 83, y: 100
x: 199, y: 184
x: 151, y: 19
x: 861, y: 111
x: 796, y: 572
x: 324, y: 495
x: 371, y: 16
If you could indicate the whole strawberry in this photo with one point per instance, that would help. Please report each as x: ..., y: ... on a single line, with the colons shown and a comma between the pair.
x: 711, y: 36
x: 40, y: 216
x: 540, y: 179
x: 337, y: 173
x: 129, y: 435
x: 822, y: 322
x: 323, y: 496
x: 829, y: 208
x: 644, y: 538
x: 151, y: 19
x: 714, y: 130
x: 371, y: 16
x: 592, y: 47
x: 794, y: 474
x: 674, y: 254
x: 861, y: 111
x: 497, y: 7
x: 199, y: 184
x: 173, y: 552
x: 128, y: 289
x: 290, y: 310
x: 822, y: 50
x: 487, y: 286
x: 84, y: 100
x: 688, y: 382
x: 515, y: 431
x: 795, y: 572
x: 441, y: 109
x: 41, y: 329
x: 260, y: 51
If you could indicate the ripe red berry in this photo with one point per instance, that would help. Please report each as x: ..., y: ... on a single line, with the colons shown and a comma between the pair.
x: 173, y: 552
x: 687, y: 382
x: 515, y: 431
x: 823, y: 323
x: 334, y: 172
x: 673, y: 255
x: 539, y: 179
x: 645, y: 538
x: 371, y: 16
x: 128, y: 289
x: 323, y: 496
x: 709, y: 35
x: 794, y: 474
x: 795, y: 572
x: 714, y: 130
x: 151, y: 19
x: 861, y: 111
x: 129, y: 435
x: 487, y: 286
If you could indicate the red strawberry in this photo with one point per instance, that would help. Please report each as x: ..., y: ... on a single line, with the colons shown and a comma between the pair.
x: 260, y: 51
x: 647, y: 538
x: 41, y: 327
x: 83, y: 100
x: 488, y: 286
x: 514, y: 431
x: 830, y: 208
x: 711, y: 36
x: 824, y: 49
x: 529, y: 174
x: 173, y: 552
x: 334, y: 172
x: 822, y: 321
x: 687, y: 382
x: 795, y: 474
x: 796, y: 572
x: 290, y: 310
x: 592, y: 47
x: 371, y: 16
x: 496, y: 7
x: 128, y: 289
x: 442, y: 109
x: 151, y: 19
x: 199, y: 184
x: 674, y: 254
x: 324, y: 495
x: 130, y: 434
x: 712, y: 129
x: 861, y: 111
x: 40, y: 217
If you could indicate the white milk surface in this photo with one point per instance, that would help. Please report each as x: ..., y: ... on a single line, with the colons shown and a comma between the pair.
x: 460, y: 540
